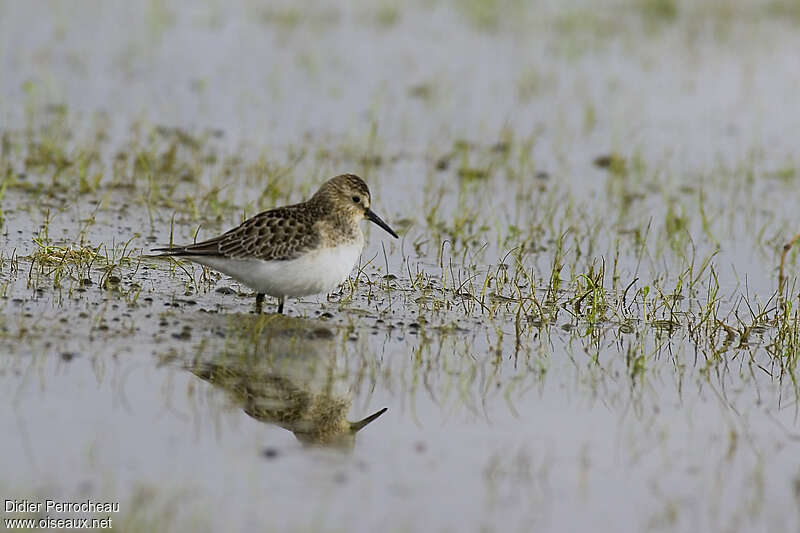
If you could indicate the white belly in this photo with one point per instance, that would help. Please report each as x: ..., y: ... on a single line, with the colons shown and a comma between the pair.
x: 319, y: 271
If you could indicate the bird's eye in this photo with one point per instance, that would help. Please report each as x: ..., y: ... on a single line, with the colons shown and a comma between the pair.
x: 356, y: 199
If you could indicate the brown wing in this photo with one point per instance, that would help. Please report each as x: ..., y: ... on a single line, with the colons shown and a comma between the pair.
x: 279, y: 234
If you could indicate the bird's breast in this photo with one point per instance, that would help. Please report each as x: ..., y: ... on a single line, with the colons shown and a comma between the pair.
x: 317, y: 271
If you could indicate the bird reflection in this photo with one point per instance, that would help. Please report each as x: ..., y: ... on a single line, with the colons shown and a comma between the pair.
x: 284, y: 371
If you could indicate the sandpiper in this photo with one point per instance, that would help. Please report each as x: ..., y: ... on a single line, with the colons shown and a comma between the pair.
x: 296, y: 250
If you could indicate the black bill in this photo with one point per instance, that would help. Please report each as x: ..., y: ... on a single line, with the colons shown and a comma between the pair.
x: 355, y: 426
x: 377, y: 220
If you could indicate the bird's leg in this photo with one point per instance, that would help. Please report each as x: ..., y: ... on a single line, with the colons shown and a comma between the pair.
x: 280, y: 304
x: 259, y: 302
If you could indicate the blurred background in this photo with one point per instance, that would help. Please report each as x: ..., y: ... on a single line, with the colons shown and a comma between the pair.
x: 582, y: 327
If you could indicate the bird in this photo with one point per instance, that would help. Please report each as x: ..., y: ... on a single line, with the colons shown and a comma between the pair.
x: 295, y: 250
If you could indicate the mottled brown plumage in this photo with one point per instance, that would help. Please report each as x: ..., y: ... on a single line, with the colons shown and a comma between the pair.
x: 276, y: 235
x: 285, y: 233
x: 296, y: 250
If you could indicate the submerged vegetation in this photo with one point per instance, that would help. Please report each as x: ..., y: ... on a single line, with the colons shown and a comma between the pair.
x: 548, y: 263
x: 595, y: 293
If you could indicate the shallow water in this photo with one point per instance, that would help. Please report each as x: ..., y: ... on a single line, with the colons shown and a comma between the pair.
x: 560, y: 346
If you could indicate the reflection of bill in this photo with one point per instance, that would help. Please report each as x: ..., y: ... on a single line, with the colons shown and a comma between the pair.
x: 289, y: 378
